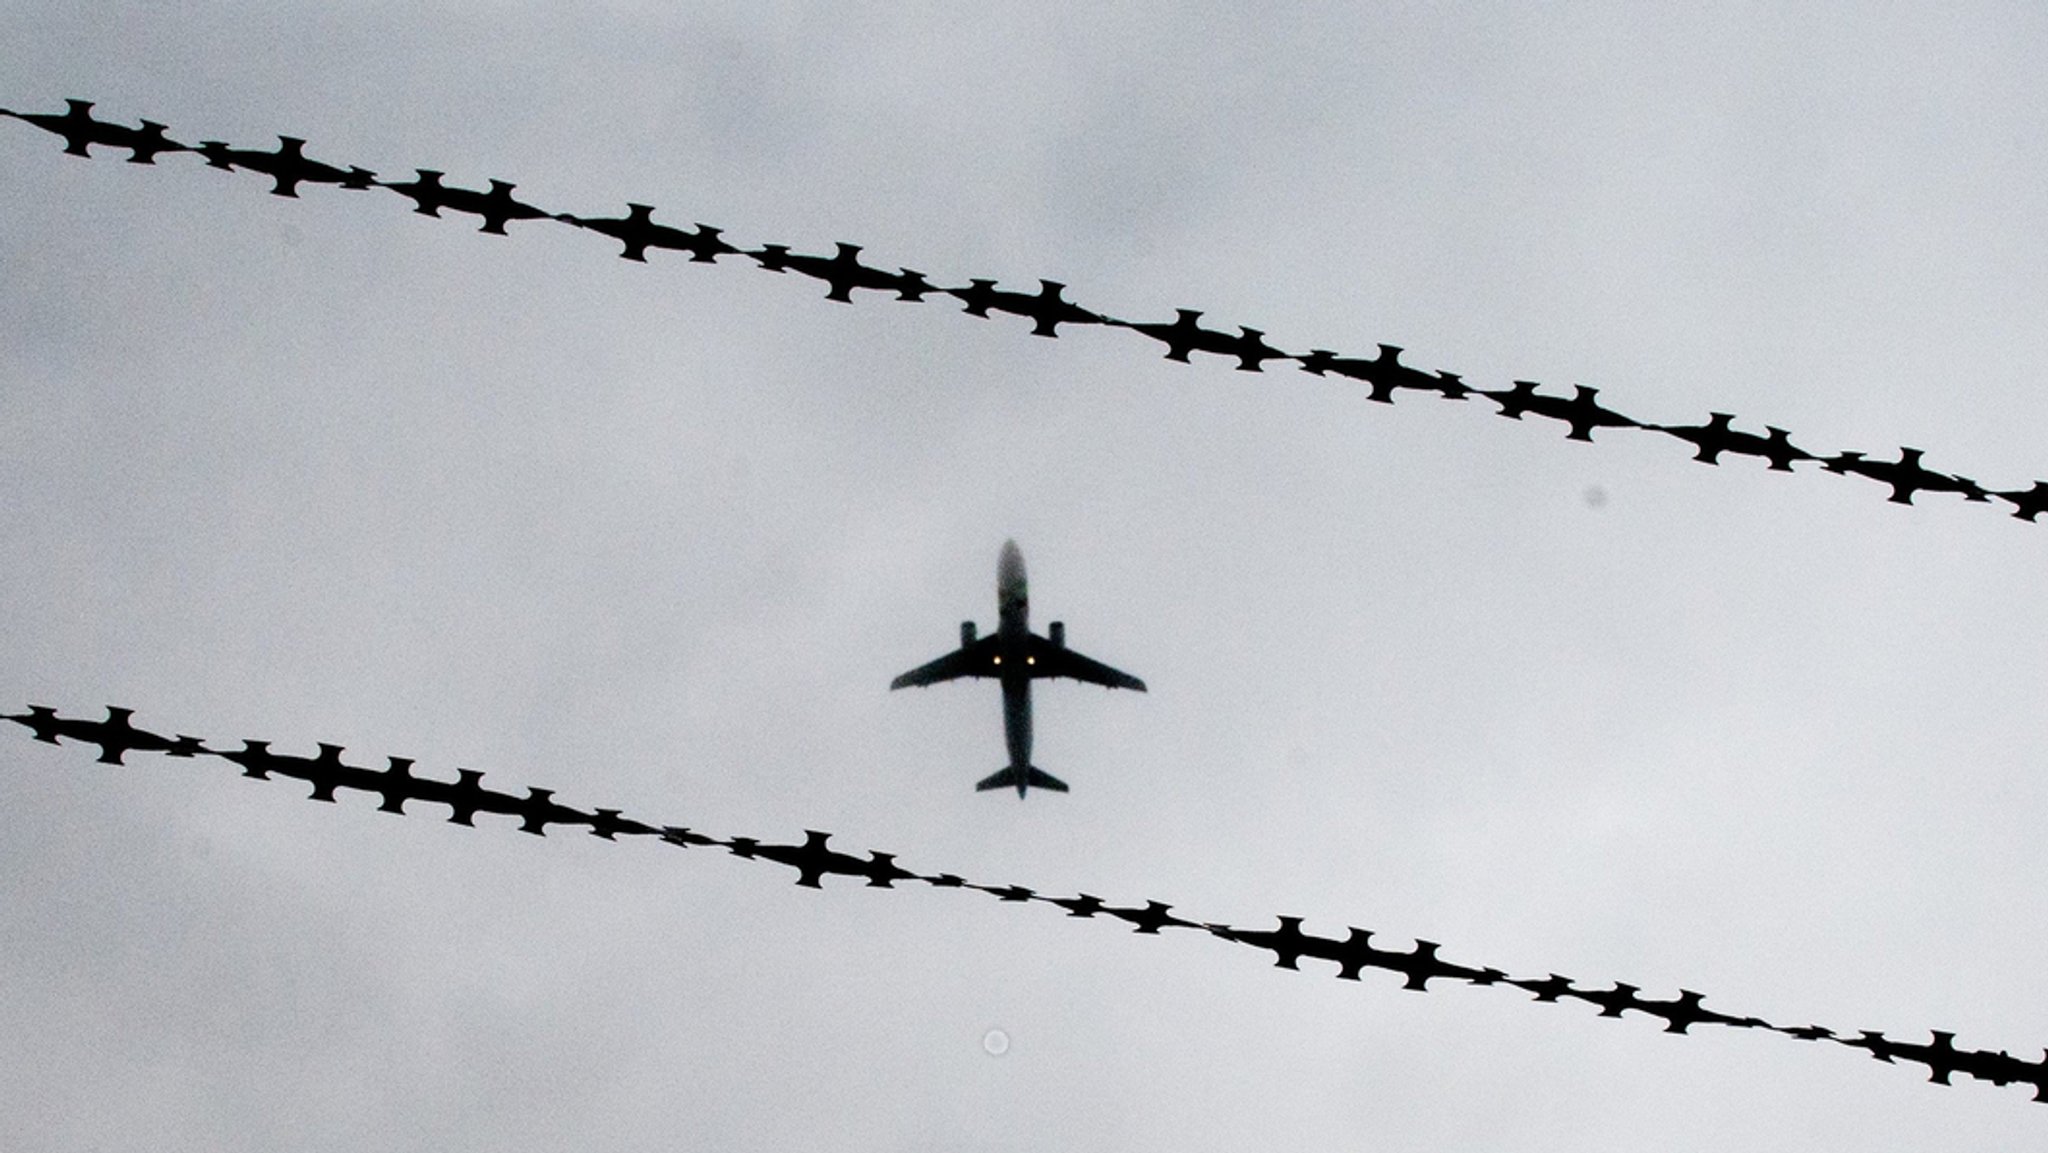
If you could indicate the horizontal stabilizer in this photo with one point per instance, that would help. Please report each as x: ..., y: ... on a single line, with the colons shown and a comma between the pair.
x: 1033, y: 778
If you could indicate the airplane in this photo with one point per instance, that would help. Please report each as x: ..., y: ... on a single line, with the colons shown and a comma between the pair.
x: 1016, y: 656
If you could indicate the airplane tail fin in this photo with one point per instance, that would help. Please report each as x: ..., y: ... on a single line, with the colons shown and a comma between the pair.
x: 1032, y: 777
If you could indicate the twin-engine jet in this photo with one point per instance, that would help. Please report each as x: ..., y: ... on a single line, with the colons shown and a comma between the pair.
x: 1016, y: 656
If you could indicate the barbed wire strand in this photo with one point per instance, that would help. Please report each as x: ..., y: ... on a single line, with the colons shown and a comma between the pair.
x: 843, y: 274
x: 814, y: 859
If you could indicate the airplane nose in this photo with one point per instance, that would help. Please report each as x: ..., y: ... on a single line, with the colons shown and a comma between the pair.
x: 1010, y: 574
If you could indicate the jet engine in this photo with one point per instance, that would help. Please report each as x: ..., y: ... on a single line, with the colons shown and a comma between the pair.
x: 967, y: 632
x: 1056, y: 632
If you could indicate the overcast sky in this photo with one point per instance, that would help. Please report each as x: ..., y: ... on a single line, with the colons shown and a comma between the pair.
x: 658, y: 536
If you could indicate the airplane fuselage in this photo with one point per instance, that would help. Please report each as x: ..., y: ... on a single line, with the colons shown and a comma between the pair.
x: 1013, y: 646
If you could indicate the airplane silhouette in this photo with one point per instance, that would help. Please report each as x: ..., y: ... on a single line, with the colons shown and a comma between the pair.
x: 80, y: 130
x: 430, y: 196
x: 1184, y: 335
x: 1016, y: 656
x: 843, y: 272
x: 288, y: 166
x: 638, y: 232
x: 1047, y: 310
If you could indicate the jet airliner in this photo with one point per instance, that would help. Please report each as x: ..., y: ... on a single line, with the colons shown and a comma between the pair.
x: 1016, y: 656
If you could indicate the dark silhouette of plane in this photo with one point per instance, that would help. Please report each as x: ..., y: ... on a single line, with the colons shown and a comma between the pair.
x: 1184, y: 335
x: 843, y: 272
x: 638, y: 232
x: 1047, y: 310
x: 1582, y: 412
x: 1386, y: 373
x: 1905, y: 475
x: 1716, y: 437
x: 430, y: 196
x: 80, y: 131
x: 1016, y: 656
x: 289, y: 166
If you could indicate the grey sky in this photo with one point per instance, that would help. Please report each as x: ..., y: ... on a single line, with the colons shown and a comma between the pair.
x: 658, y: 536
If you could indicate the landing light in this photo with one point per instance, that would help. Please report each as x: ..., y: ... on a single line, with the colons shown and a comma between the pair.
x: 1030, y: 660
x: 999, y: 660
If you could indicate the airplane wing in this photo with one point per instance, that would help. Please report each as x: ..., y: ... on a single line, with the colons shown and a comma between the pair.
x: 975, y: 660
x: 1051, y: 660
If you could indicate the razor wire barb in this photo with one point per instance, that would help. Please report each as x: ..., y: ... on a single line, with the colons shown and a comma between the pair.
x: 843, y: 273
x: 814, y: 859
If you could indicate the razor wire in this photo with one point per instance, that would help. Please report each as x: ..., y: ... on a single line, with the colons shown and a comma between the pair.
x: 814, y: 859
x: 843, y: 273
